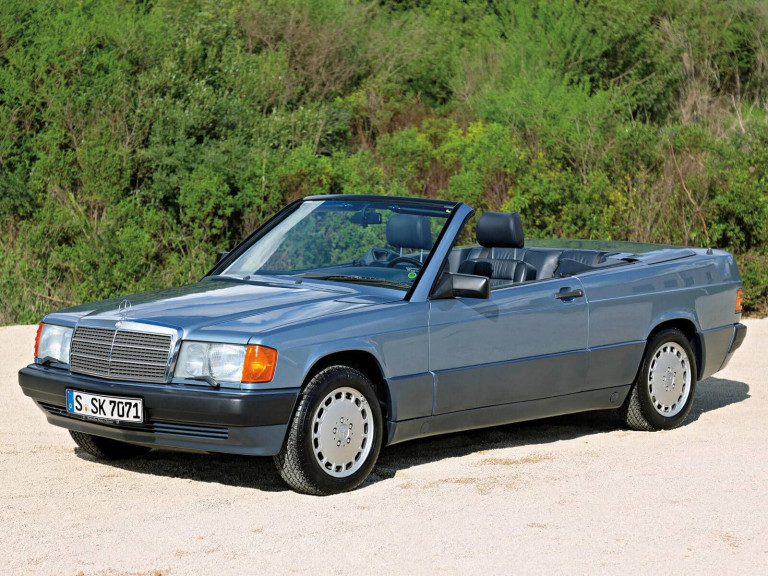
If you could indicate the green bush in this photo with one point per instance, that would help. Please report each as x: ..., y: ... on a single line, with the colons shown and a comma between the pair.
x: 139, y: 138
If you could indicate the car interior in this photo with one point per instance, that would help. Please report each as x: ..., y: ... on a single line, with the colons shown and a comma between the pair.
x: 502, y: 256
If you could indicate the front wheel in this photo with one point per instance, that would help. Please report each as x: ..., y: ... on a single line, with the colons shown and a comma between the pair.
x: 335, y: 435
x: 662, y: 394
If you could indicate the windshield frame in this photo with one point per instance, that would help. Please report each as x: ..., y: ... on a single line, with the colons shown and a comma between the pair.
x: 449, y: 207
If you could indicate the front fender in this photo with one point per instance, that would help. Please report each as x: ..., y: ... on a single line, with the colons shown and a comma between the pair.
x: 394, y: 334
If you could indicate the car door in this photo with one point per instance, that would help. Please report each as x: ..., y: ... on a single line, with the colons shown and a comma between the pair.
x: 526, y: 342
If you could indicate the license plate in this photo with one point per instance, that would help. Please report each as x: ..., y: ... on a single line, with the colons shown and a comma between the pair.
x: 105, y: 407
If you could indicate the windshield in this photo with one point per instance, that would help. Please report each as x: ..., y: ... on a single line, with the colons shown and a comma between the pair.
x: 379, y: 242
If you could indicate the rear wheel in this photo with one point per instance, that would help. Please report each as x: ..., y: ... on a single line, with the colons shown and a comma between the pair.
x: 106, y: 448
x: 663, y: 392
x: 335, y: 435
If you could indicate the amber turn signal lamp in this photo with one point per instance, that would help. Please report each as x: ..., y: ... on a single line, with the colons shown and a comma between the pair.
x: 37, y: 338
x: 259, y: 365
x: 738, y: 300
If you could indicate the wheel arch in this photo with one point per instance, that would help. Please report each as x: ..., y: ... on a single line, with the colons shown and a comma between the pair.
x: 361, y: 360
x: 689, y: 328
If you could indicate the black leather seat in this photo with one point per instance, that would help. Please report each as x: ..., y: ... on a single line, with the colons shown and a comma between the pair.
x: 588, y: 257
x: 577, y: 261
x: 409, y: 231
x: 502, y: 235
x: 500, y: 271
x: 544, y: 260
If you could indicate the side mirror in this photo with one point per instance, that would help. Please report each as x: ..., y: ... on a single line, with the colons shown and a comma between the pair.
x: 462, y: 286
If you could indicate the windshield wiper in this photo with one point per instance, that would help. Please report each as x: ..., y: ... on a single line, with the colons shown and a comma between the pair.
x: 353, y: 279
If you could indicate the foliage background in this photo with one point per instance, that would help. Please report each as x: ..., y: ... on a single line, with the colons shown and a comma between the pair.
x: 138, y: 138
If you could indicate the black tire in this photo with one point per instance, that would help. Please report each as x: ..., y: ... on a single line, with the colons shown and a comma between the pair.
x: 106, y: 448
x: 300, y: 464
x: 643, y: 410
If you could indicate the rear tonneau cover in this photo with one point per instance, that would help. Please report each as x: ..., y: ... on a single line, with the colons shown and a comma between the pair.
x: 658, y: 256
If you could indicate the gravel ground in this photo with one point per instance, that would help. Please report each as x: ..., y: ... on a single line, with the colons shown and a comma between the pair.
x: 574, y: 494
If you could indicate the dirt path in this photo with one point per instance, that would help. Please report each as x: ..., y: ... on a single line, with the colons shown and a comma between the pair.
x: 574, y: 494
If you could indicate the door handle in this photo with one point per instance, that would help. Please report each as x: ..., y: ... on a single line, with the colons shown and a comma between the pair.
x: 568, y: 294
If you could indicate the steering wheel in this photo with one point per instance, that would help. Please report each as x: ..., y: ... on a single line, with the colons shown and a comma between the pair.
x: 404, y: 260
x: 377, y: 256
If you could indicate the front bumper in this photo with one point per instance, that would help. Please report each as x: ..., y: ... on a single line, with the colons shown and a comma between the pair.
x: 175, y: 416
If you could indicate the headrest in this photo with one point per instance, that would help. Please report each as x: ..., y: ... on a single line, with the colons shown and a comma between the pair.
x: 408, y: 231
x: 500, y: 230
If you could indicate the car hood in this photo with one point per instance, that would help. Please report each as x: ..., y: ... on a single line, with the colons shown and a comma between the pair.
x: 225, y: 306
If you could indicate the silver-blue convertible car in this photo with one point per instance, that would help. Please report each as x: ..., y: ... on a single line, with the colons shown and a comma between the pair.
x: 345, y: 323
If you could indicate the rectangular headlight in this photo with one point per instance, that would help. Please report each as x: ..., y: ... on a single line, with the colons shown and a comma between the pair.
x: 225, y: 362
x: 222, y: 362
x: 53, y: 343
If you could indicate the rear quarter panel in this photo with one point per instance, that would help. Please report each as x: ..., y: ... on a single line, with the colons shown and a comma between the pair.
x: 628, y: 302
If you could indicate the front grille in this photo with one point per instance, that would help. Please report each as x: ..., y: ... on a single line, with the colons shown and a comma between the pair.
x: 158, y: 427
x: 120, y: 354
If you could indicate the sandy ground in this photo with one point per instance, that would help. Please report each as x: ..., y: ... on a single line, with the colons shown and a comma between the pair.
x: 575, y: 495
